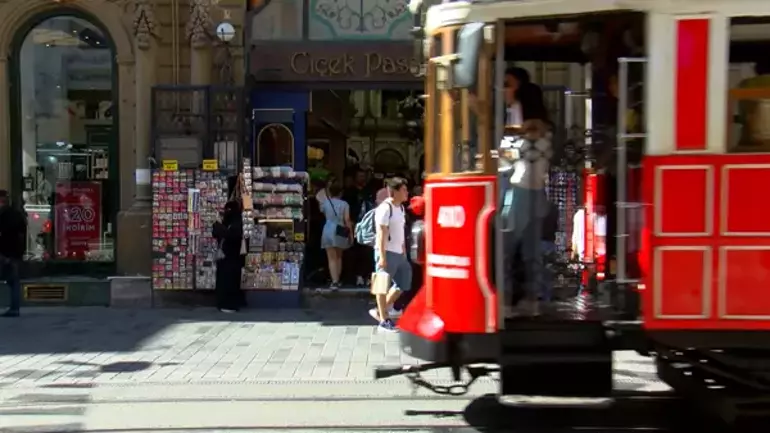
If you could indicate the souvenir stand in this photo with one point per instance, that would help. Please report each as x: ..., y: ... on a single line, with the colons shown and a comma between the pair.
x: 276, y: 224
x: 564, y: 190
x: 185, y: 204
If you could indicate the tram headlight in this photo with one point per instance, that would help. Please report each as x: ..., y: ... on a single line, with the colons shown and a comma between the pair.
x: 417, y: 244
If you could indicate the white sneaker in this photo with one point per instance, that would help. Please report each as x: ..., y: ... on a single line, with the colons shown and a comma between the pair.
x: 392, y: 314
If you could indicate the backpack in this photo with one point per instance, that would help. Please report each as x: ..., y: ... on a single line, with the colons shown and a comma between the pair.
x: 366, y: 232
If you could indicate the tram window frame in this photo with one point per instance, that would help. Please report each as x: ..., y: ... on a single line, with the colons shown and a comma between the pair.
x: 466, y: 158
x: 748, y: 88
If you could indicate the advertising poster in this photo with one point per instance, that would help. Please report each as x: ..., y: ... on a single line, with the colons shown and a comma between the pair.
x: 78, y: 217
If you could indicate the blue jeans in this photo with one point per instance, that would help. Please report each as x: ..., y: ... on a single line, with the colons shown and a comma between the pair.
x: 9, y: 271
x: 523, y: 212
x: 398, y: 267
x: 546, y: 292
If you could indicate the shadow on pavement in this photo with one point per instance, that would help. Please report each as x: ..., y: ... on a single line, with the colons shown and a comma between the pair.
x: 93, y: 329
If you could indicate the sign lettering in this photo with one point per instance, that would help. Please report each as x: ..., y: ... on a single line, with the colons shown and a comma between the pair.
x: 210, y: 165
x: 170, y: 165
x: 78, y: 219
x: 366, y: 65
x: 451, y: 217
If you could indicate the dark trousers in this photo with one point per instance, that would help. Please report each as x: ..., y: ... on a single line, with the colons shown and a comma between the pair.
x: 9, y: 272
x: 228, y: 284
x: 357, y: 262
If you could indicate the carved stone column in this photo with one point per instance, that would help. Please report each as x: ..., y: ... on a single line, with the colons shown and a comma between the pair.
x: 145, y: 34
x: 200, y: 33
x: 135, y: 226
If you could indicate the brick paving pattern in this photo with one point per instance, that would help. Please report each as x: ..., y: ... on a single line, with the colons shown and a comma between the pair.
x: 99, y: 345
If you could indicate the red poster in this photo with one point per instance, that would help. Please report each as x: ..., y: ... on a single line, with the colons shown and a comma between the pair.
x: 459, y: 212
x: 78, y: 218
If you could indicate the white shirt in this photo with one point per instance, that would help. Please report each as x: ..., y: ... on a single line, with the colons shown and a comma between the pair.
x: 392, y: 216
x: 579, y: 232
x: 513, y: 116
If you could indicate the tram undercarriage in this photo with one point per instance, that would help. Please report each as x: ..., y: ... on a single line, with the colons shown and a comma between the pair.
x: 567, y: 350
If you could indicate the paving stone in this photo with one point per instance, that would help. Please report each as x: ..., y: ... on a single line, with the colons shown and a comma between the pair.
x: 90, y: 346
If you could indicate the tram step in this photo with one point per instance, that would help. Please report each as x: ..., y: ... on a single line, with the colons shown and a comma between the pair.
x: 557, y: 359
x: 542, y: 334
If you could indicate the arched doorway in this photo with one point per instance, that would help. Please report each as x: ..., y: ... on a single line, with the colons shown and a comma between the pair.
x: 63, y: 126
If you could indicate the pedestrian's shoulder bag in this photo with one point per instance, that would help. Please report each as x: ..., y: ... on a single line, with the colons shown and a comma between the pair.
x: 339, y: 230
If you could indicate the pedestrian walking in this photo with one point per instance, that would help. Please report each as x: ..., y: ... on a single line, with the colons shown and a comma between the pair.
x: 390, y: 251
x: 415, y: 214
x: 337, y: 235
x: 13, y: 235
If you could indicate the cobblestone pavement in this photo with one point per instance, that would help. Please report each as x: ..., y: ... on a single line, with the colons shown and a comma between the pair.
x: 60, y: 346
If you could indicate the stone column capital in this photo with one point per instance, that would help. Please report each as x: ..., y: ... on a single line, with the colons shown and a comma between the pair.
x: 145, y: 26
x: 200, y: 26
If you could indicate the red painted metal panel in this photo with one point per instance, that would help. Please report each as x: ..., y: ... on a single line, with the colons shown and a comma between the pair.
x: 682, y: 205
x: 740, y: 264
x: 692, y: 47
x: 745, y: 282
x: 459, y: 287
x: 683, y: 284
x: 743, y: 213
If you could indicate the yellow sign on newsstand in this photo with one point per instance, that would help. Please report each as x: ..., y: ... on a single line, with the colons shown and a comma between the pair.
x: 170, y: 165
x: 299, y: 237
x: 210, y: 165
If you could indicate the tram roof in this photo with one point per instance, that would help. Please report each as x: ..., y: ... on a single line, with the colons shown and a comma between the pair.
x: 461, y: 12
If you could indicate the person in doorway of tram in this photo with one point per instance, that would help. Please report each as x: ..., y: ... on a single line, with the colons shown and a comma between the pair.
x: 229, y: 235
x: 523, y: 99
x: 390, y: 251
x: 414, y: 215
x: 528, y: 206
x: 13, y: 233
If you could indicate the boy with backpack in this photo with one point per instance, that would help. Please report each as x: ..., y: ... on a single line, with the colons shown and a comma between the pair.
x: 384, y: 228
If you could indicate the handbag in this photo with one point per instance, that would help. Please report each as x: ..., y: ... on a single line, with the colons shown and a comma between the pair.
x: 339, y: 230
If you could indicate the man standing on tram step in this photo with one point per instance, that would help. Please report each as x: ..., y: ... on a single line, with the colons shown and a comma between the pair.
x: 13, y: 234
x: 390, y: 250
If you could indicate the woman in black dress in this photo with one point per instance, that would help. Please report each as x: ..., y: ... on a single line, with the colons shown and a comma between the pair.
x: 229, y: 235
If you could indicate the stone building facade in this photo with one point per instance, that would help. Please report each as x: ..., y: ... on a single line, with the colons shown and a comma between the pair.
x: 75, y: 121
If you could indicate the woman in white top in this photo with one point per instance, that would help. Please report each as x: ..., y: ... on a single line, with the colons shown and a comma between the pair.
x: 337, y: 234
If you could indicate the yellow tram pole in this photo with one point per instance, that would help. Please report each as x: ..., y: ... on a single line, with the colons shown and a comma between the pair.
x: 446, y: 156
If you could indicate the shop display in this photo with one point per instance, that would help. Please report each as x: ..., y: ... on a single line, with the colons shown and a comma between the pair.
x: 208, y: 201
x: 172, y: 262
x: 563, y: 190
x: 277, y: 234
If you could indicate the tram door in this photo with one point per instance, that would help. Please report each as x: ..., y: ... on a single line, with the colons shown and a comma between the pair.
x: 580, y: 234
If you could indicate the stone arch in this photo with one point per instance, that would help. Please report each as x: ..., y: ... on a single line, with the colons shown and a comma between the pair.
x: 110, y: 15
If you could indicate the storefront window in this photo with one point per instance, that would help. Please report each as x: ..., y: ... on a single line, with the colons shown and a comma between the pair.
x: 66, y: 115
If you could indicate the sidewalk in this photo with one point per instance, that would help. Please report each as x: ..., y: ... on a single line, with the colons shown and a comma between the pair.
x: 336, y: 342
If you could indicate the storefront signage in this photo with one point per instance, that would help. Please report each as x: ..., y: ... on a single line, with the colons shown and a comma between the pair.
x: 170, y: 165
x: 210, y: 165
x: 333, y: 61
x: 345, y: 64
x: 78, y: 219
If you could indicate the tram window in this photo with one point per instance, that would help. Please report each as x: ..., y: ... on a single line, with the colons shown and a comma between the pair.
x: 749, y: 81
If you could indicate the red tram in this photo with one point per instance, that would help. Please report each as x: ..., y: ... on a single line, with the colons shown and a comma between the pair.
x: 696, y: 296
